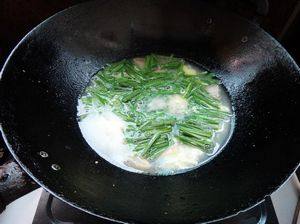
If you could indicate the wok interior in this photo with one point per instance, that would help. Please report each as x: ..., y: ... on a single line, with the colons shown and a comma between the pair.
x: 50, y: 68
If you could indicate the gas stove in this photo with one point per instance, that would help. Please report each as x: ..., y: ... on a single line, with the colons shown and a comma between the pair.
x: 40, y: 207
x: 52, y: 210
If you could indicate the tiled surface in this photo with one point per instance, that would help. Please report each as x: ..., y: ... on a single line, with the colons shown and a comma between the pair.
x: 289, y: 193
x: 22, y: 210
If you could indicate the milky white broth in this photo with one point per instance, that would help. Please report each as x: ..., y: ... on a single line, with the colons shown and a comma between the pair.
x: 104, y: 132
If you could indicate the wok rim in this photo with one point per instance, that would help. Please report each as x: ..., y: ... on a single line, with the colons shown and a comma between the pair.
x: 73, y: 204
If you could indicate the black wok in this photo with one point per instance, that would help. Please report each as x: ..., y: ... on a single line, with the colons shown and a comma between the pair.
x: 51, y: 66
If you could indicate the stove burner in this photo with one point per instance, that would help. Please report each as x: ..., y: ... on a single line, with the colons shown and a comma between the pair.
x: 51, y: 210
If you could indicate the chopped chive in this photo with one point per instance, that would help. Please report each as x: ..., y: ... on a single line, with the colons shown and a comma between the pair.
x: 151, y: 62
x: 131, y: 95
x: 188, y: 90
x: 195, y: 131
x: 116, y: 67
x: 152, y: 140
x: 201, y: 145
x: 126, y: 88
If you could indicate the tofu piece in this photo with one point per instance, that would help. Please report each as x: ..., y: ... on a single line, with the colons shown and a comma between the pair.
x: 189, y: 70
x: 140, y: 62
x: 214, y: 91
x: 177, y: 105
x: 138, y: 163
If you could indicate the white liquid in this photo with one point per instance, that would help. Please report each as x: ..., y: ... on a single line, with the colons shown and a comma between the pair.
x: 104, y: 132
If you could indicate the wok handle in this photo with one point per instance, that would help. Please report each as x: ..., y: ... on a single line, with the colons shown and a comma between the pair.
x: 14, y: 183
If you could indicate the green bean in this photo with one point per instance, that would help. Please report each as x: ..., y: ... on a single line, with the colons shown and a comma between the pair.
x: 208, y: 78
x: 195, y: 131
x: 126, y: 82
x: 116, y: 67
x: 133, y: 73
x: 156, y: 150
x: 156, y: 124
x: 151, y: 62
x: 188, y: 90
x: 131, y: 95
x: 203, y: 146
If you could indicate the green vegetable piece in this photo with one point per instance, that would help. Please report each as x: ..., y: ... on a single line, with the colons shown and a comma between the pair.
x: 188, y: 90
x: 151, y: 62
x: 128, y: 85
x: 131, y: 95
